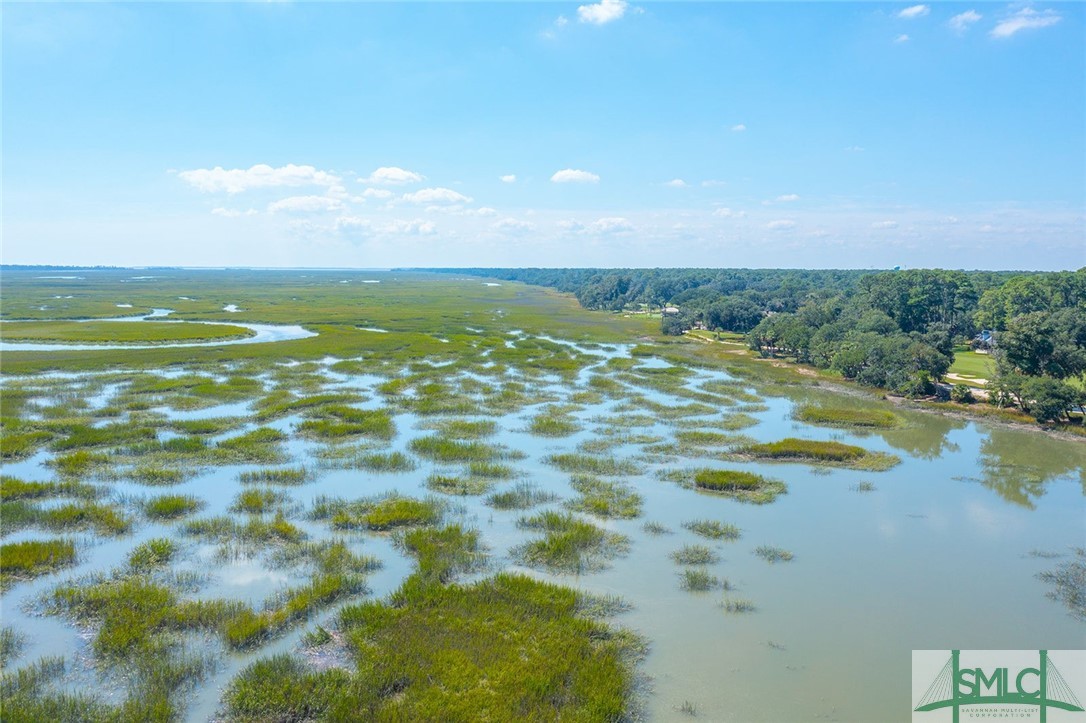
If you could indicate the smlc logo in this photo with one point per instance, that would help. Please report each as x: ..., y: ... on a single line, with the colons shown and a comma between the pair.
x: 997, y: 684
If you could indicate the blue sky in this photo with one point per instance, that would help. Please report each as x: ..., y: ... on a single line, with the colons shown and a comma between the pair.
x: 545, y: 134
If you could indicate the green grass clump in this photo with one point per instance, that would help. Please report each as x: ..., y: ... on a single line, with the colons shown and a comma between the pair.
x: 742, y: 486
x: 443, y: 553
x: 656, y: 528
x: 520, y: 496
x: 701, y: 438
x: 275, y: 476
x: 455, y: 485
x: 713, y: 529
x: 847, y: 416
x: 737, y: 605
x: 171, y: 507
x: 822, y: 452
x: 157, y: 475
x: 20, y: 445
x: 79, y: 463
x: 384, y: 513
x: 694, y: 555
x: 109, y: 435
x: 696, y: 580
x: 261, y: 445
x: 551, y: 424
x: 255, y: 530
x: 569, y: 544
x: 491, y: 470
x: 574, y: 463
x: 25, y: 560
x: 504, y: 648
x: 466, y: 429
x: 13, y: 488
x: 256, y: 501
x: 386, y: 462
x: 11, y: 644
x: 604, y: 498
x: 152, y: 554
x: 103, y: 519
x: 206, y: 427
x: 450, y: 451
x: 773, y: 554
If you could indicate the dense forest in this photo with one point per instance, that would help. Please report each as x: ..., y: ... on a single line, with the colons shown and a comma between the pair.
x: 897, y: 330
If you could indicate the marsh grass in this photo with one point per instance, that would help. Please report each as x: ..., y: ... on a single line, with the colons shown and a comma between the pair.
x: 11, y: 645
x: 171, y: 507
x: 863, y: 487
x: 455, y: 485
x: 453, y: 652
x: 697, y: 580
x: 737, y: 606
x: 569, y: 544
x: 449, y: 451
x: 713, y: 529
x: 1068, y: 584
x: 254, y: 531
x: 33, y: 558
x: 462, y: 429
x: 553, y: 423
x: 378, y: 513
x: 152, y: 554
x: 82, y: 515
x: 773, y: 554
x: 576, y: 463
x: 256, y: 501
x: 491, y: 470
x: 694, y: 555
x: 657, y: 528
x: 604, y: 498
x: 14, y: 488
x: 742, y: 486
x: 521, y: 496
x: 386, y: 462
x: 260, y: 446
x: 287, y: 476
x: 822, y: 452
x: 208, y: 427
x: 80, y: 463
x: 847, y: 416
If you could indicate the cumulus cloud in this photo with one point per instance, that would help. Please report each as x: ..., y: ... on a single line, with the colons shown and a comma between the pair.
x: 916, y: 11
x: 788, y: 197
x: 236, y: 180
x: 603, y: 12
x: 781, y: 225
x: 963, y: 21
x: 610, y: 225
x: 305, y: 204
x: 393, y: 176
x: 1025, y: 19
x: 884, y: 224
x: 513, y: 226
x: 571, y: 175
x: 380, y: 193
x: 417, y: 227
x: 729, y: 213
x: 436, y: 196
x: 511, y: 178
x: 903, y: 38
x: 233, y: 213
x: 676, y: 183
x: 739, y: 128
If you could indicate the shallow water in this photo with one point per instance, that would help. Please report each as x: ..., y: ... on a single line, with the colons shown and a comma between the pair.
x: 937, y: 556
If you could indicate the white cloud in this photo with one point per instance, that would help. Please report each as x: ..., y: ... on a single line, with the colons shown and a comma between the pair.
x: 353, y: 226
x: 610, y: 224
x: 511, y: 178
x: 916, y: 11
x: 602, y: 12
x: 482, y: 211
x: 963, y: 21
x: 393, y: 176
x: 305, y: 204
x: 417, y: 227
x: 513, y: 226
x: 739, y: 128
x: 436, y: 196
x: 236, y: 180
x: 788, y: 197
x: 561, y: 21
x: 676, y: 183
x: 1025, y: 19
x: 903, y: 38
x: 855, y: 149
x: 781, y: 225
x: 884, y: 224
x: 233, y: 213
x: 570, y: 175
x: 381, y: 193
x: 728, y: 213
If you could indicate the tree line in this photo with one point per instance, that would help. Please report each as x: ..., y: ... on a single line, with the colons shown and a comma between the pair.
x: 896, y: 330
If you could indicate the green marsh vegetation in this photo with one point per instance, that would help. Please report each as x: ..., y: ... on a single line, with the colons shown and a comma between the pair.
x: 553, y: 422
x: 773, y: 554
x: 171, y: 507
x: 120, y: 332
x: 461, y: 429
x: 256, y: 501
x: 604, y: 498
x: 656, y: 528
x: 821, y: 452
x: 577, y: 463
x: 695, y: 555
x: 385, y: 462
x: 254, y: 531
x: 521, y: 496
x: 1068, y: 583
x: 456, y: 485
x: 569, y: 544
x: 713, y: 529
x: 450, y: 451
x: 32, y: 558
x: 738, y: 485
x: 698, y: 580
x: 847, y: 416
x: 735, y: 606
x: 286, y: 476
x: 377, y: 513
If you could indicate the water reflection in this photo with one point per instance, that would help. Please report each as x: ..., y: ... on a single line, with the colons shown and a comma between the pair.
x: 1018, y: 465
